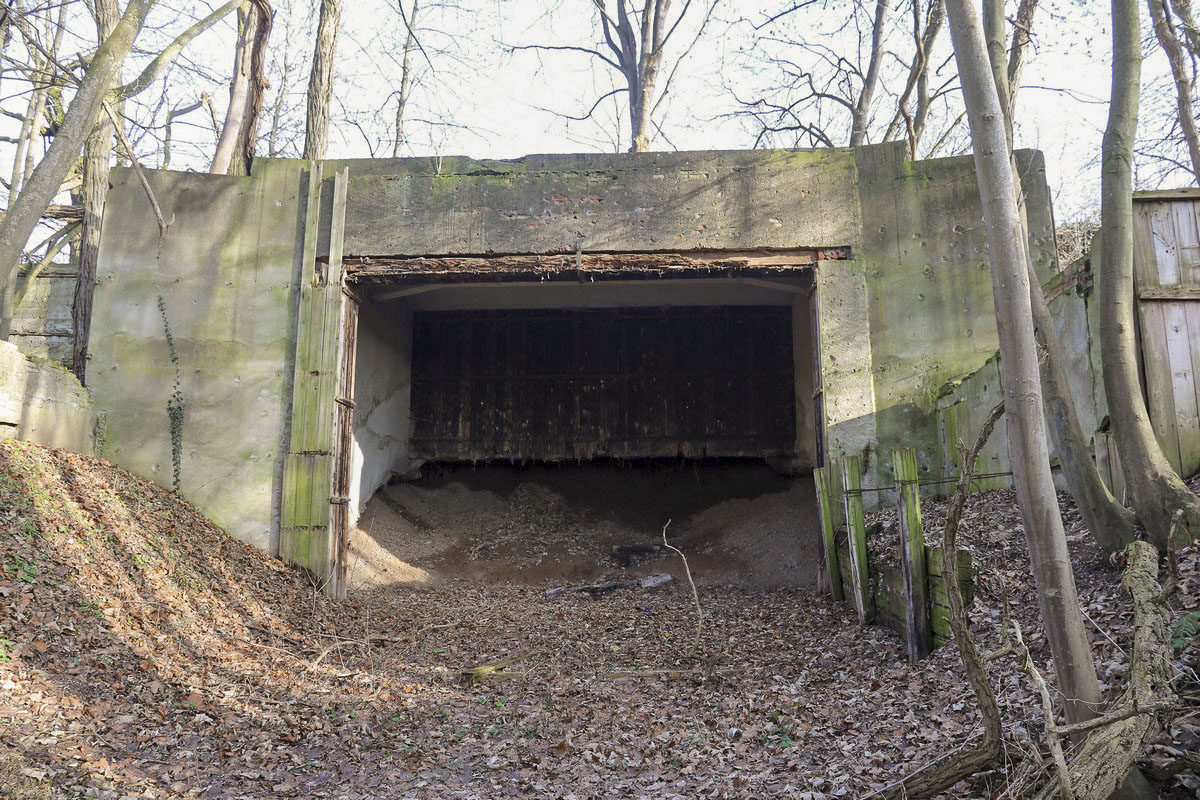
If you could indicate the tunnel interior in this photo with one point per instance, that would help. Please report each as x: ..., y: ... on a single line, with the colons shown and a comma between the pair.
x: 586, y: 414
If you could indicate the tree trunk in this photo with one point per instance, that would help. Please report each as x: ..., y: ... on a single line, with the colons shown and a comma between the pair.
x: 1112, y: 525
x: 46, y: 180
x: 862, y: 109
x: 320, y: 82
x: 1155, y: 491
x: 96, y: 168
x: 235, y: 145
x: 405, y: 78
x: 239, y: 88
x: 1109, y: 522
x: 1027, y: 445
x: 258, y: 87
x: 1170, y: 45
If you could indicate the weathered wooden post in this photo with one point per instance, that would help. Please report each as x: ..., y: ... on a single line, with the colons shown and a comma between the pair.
x: 823, y: 477
x: 856, y: 527
x: 912, y: 555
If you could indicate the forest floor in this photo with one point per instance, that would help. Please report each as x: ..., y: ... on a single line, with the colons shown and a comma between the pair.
x: 143, y: 653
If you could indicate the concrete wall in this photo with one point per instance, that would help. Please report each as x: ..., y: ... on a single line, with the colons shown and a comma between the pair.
x: 929, y: 293
x: 43, y: 403
x: 381, y: 400
x: 900, y: 325
x: 226, y: 274
x: 632, y: 202
x: 43, y: 325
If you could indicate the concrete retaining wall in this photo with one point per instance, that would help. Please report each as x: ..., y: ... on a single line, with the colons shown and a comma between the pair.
x: 211, y: 305
x: 900, y: 324
x: 43, y: 403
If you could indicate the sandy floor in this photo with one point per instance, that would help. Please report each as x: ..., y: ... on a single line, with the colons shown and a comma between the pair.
x: 737, y: 523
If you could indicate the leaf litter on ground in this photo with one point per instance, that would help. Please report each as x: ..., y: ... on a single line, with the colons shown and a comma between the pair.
x: 144, y: 653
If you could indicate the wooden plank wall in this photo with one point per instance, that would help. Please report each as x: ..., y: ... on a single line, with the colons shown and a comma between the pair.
x: 1167, y: 278
x: 309, y: 532
x: 564, y: 384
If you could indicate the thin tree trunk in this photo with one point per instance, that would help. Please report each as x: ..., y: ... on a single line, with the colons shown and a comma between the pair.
x: 1155, y: 491
x: 1027, y: 446
x: 1170, y: 45
x: 405, y: 78
x: 997, y: 49
x: 239, y: 88
x: 918, y: 78
x: 258, y: 87
x: 862, y: 109
x: 46, y: 180
x: 96, y: 168
x: 1022, y: 36
x: 320, y: 83
x: 1109, y: 522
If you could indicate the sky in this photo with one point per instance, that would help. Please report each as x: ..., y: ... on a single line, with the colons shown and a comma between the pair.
x: 477, y: 95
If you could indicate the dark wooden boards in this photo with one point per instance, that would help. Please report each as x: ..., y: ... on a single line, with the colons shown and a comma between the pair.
x: 565, y: 384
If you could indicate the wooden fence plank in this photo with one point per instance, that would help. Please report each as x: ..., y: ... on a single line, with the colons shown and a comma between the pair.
x: 1166, y: 246
x: 1160, y: 398
x: 912, y: 554
x: 1183, y: 384
x: 1187, y: 240
x: 856, y: 527
x: 823, y: 477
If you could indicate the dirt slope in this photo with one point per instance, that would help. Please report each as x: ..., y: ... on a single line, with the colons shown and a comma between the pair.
x: 144, y: 654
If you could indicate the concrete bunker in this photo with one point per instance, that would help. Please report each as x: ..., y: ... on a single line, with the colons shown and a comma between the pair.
x: 271, y: 295
x: 602, y: 394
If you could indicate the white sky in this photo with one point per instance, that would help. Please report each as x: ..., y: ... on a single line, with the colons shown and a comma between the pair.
x: 482, y: 100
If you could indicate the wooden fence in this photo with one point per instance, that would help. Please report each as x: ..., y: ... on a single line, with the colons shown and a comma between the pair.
x: 909, y: 597
x: 1166, y: 261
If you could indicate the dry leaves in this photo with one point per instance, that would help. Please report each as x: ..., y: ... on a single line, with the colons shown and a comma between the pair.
x: 143, y: 653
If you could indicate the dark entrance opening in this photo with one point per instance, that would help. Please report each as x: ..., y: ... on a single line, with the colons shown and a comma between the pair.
x: 577, y: 384
x: 522, y: 417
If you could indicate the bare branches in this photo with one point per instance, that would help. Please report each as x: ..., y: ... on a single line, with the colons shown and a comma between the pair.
x: 167, y: 55
x: 633, y: 41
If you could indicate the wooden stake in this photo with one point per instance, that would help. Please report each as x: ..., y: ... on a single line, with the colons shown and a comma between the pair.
x: 824, y: 479
x: 912, y: 555
x: 856, y: 526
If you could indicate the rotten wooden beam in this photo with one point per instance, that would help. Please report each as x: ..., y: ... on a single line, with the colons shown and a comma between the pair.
x: 364, y: 268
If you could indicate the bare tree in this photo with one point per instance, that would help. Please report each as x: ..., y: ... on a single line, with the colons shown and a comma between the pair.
x: 633, y: 43
x: 320, y: 84
x: 235, y: 146
x: 1108, y: 521
x: 1178, y: 42
x: 867, y: 77
x: 1155, y: 491
x: 1027, y: 446
x: 45, y: 180
x: 406, y: 70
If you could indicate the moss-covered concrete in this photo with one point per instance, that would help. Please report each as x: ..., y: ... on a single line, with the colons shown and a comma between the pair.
x: 43, y: 403
x: 902, y: 322
x: 225, y: 271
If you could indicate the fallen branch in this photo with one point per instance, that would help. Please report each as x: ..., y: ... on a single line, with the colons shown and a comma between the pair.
x: 1110, y: 751
x: 495, y: 669
x: 597, y: 589
x: 695, y: 594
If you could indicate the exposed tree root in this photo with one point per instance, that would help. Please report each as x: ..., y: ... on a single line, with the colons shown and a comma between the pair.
x: 1117, y: 739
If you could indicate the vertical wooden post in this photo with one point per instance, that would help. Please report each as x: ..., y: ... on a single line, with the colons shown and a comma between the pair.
x: 309, y: 530
x: 823, y: 477
x: 912, y: 555
x: 856, y: 527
